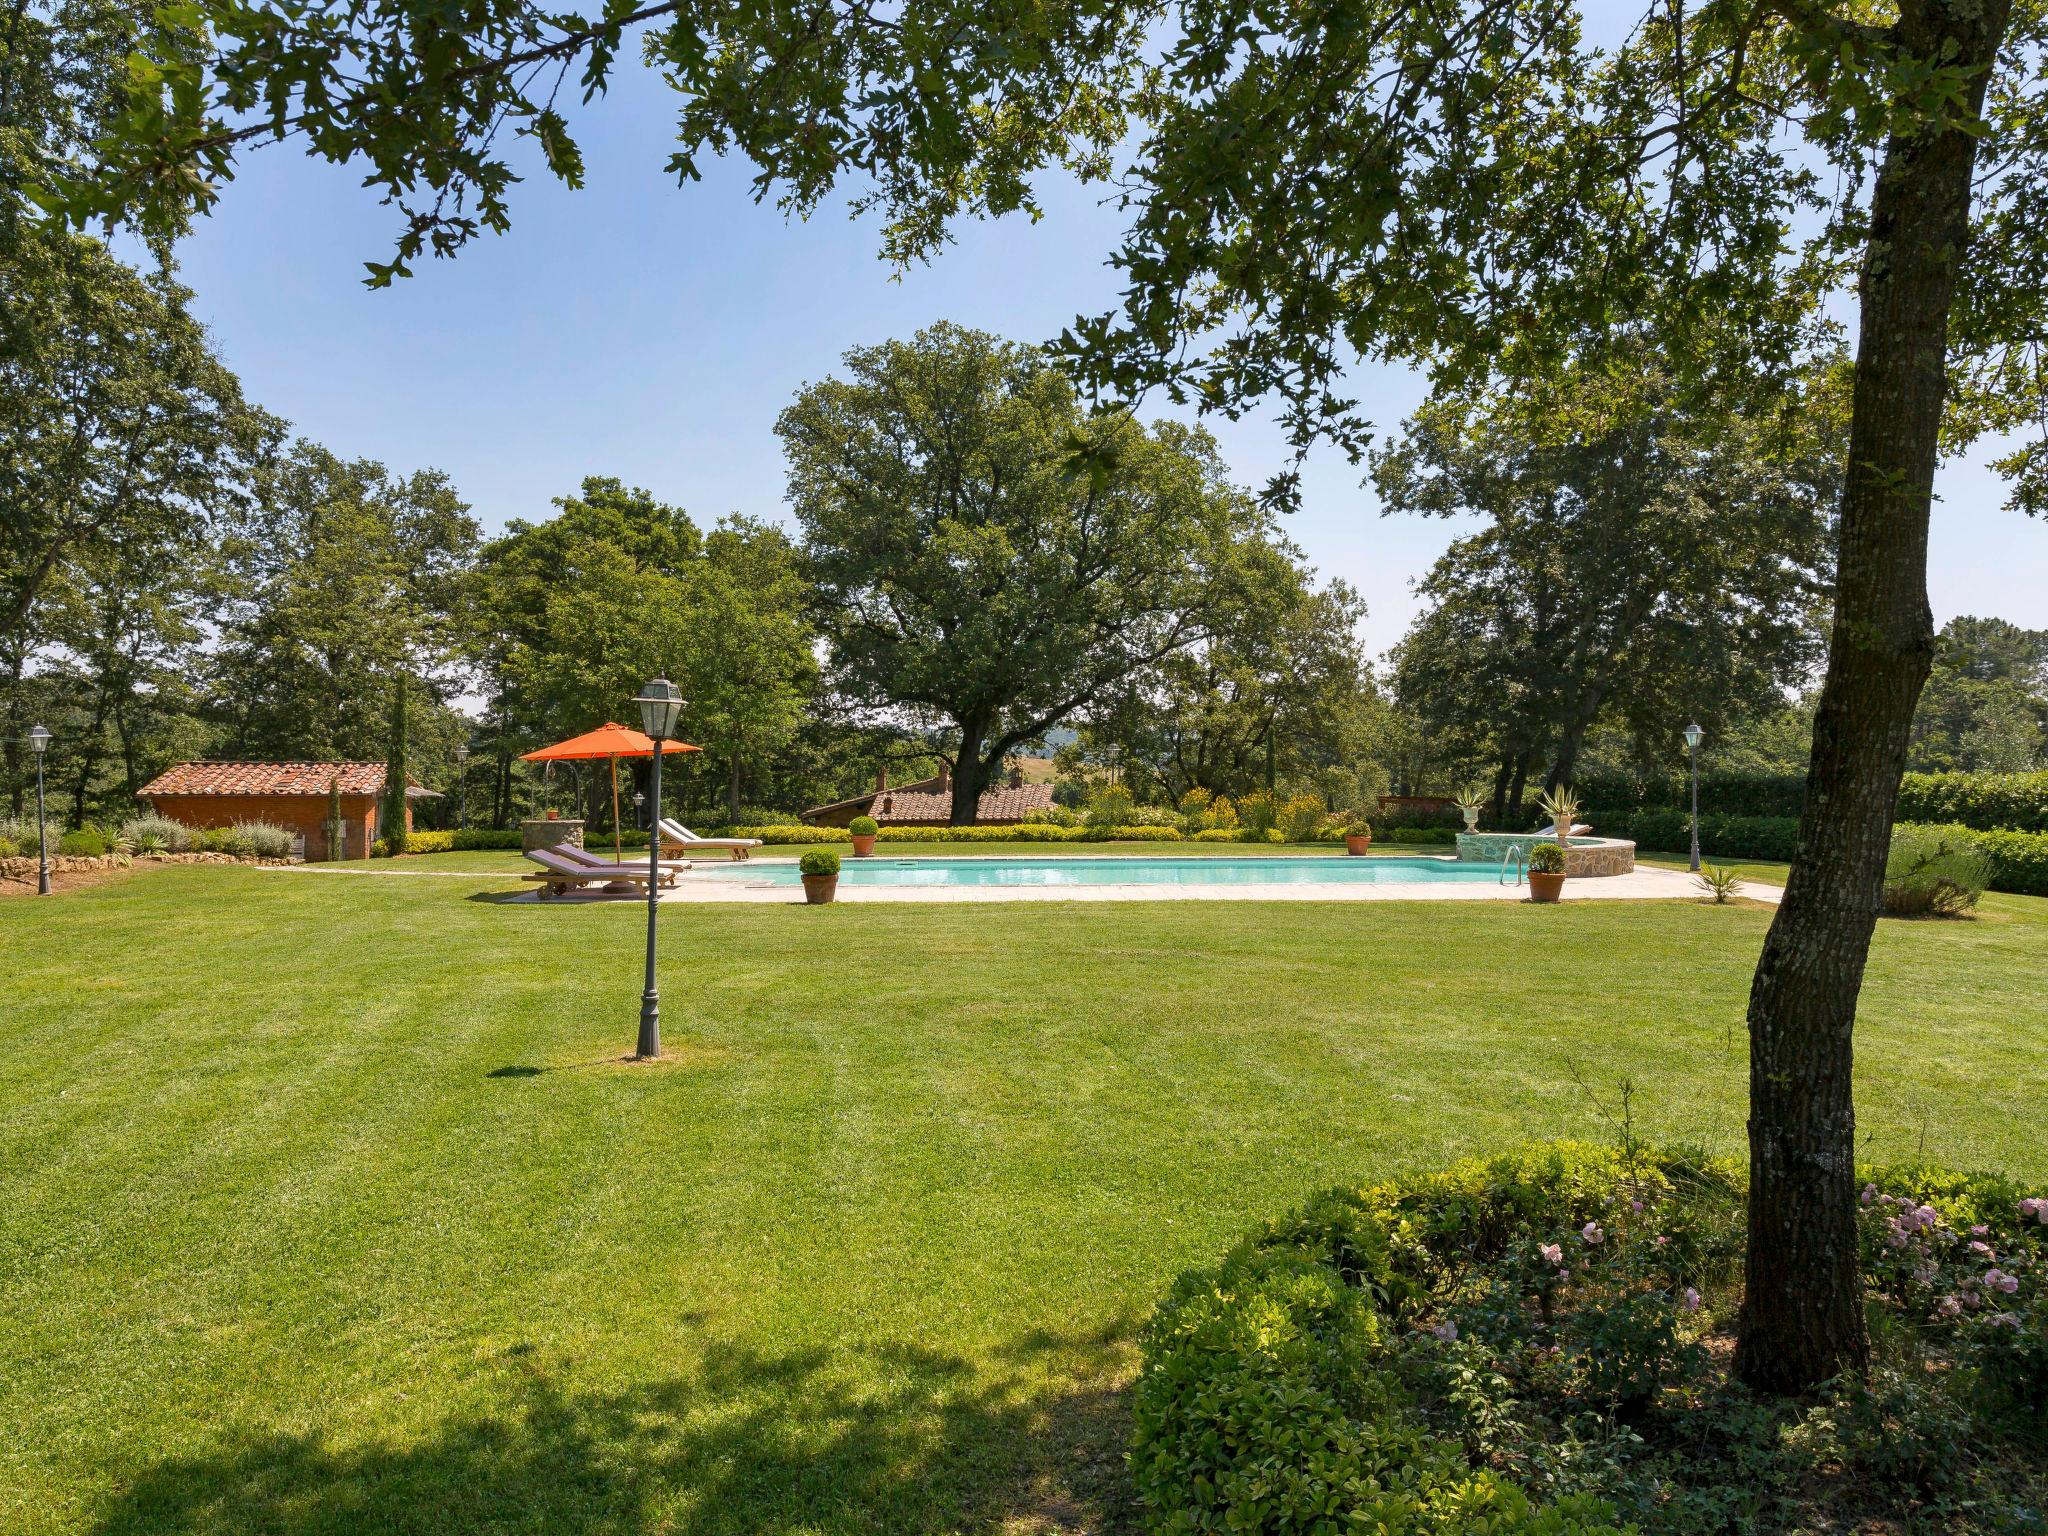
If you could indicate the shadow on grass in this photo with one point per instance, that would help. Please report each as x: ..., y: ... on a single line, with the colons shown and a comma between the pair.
x: 515, y: 1071
x: 893, y: 1438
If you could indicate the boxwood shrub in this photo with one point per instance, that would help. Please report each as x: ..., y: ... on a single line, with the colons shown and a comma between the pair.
x: 1426, y: 1354
x: 1266, y: 1400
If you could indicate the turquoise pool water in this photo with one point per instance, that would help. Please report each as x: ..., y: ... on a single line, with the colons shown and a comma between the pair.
x: 998, y: 870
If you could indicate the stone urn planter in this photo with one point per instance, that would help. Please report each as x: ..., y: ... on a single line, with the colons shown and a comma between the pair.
x: 820, y: 869
x: 1358, y: 844
x: 863, y: 829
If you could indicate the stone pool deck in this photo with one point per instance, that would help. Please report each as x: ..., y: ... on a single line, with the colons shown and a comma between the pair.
x: 1643, y: 884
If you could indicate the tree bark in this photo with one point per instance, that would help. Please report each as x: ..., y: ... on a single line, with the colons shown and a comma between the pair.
x: 1802, y: 1313
x: 966, y: 787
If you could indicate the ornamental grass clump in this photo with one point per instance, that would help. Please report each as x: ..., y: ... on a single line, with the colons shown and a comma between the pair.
x: 1934, y: 872
x: 158, y: 834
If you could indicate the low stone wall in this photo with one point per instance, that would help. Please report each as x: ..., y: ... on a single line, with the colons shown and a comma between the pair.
x: 25, y: 868
x: 1584, y: 857
x: 551, y: 832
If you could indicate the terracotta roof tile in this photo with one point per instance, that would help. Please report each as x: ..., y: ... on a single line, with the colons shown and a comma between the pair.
x: 922, y: 807
x: 264, y: 779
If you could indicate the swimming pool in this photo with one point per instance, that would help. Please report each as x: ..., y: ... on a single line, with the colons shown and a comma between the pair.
x: 998, y: 870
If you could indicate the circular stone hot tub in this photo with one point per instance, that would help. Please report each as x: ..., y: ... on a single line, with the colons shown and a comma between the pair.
x: 1583, y: 856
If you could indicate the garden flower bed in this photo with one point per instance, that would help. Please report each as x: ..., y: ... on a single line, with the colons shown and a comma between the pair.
x: 1540, y: 1342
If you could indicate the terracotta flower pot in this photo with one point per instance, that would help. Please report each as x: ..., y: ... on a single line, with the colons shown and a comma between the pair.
x: 1357, y: 846
x: 864, y: 847
x: 1545, y: 887
x: 819, y: 889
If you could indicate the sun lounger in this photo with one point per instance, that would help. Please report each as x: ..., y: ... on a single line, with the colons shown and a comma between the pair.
x: 677, y: 838
x: 560, y: 874
x: 591, y: 860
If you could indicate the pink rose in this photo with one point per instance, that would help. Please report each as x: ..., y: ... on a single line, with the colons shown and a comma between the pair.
x: 1591, y: 1232
x: 1552, y: 1253
x: 1690, y: 1300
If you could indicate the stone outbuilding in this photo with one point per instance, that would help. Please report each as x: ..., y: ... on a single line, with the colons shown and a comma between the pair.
x: 290, y: 795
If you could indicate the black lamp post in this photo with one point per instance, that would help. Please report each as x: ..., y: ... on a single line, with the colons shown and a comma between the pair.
x: 1692, y: 751
x: 39, y: 743
x: 462, y: 784
x: 661, y: 706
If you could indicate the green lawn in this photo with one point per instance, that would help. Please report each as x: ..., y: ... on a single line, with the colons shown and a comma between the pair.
x: 327, y: 1206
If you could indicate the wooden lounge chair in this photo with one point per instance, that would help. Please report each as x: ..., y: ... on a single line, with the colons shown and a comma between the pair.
x: 560, y: 874
x: 592, y: 860
x: 677, y: 838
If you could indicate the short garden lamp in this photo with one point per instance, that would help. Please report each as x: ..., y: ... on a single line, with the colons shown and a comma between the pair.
x: 39, y: 743
x: 462, y: 784
x: 1693, y: 733
x: 661, y: 709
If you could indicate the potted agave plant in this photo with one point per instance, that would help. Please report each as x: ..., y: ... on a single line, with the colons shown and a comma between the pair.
x: 863, y: 829
x: 820, y: 869
x: 1470, y: 802
x: 1562, y: 807
x: 1358, y: 837
x: 1546, y: 872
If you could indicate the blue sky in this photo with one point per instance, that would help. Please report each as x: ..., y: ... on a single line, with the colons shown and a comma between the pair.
x: 652, y: 333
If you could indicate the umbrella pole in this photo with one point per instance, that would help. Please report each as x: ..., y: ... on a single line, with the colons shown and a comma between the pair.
x: 617, y: 857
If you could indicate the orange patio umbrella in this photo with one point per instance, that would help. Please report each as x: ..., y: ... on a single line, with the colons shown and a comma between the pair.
x: 611, y: 741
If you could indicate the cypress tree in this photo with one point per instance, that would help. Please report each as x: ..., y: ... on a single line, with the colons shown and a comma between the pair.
x: 394, y: 770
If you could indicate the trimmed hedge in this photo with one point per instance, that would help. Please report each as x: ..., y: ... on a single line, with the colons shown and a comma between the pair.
x: 1985, y: 802
x: 2020, y: 859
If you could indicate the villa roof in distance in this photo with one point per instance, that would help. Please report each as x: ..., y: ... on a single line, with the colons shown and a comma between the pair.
x: 208, y: 778
x: 913, y: 806
x: 929, y: 802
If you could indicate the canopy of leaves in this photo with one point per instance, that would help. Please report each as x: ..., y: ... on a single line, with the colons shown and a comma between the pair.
x: 968, y: 570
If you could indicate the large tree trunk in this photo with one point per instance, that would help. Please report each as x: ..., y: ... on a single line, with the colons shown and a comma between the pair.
x: 1802, y: 1313
x: 967, y: 771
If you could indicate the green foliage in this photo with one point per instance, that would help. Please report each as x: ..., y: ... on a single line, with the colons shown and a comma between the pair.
x: 1258, y: 816
x: 1934, y: 872
x: 1726, y: 837
x: 1546, y: 858
x: 863, y: 826
x: 819, y: 861
x: 966, y: 568
x: 1301, y: 817
x: 9, y: 848
x: 1537, y: 1318
x: 1109, y: 806
x: 1985, y: 801
x: 1989, y: 802
x: 1616, y: 559
x: 83, y: 843
x: 397, y: 816
x: 2020, y: 861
